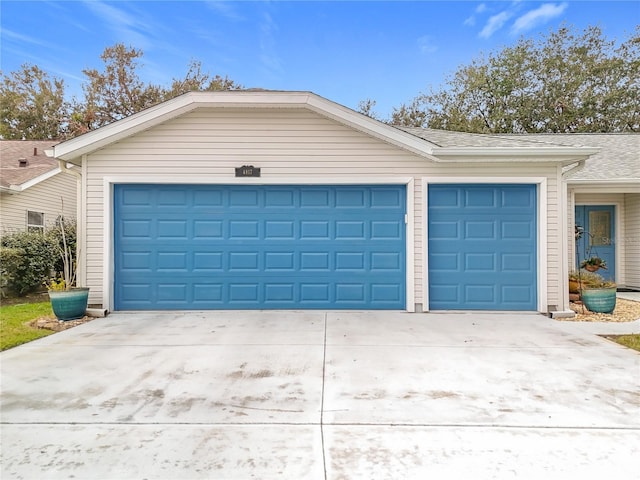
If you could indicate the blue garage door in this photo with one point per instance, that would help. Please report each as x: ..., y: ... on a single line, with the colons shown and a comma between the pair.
x: 259, y: 247
x: 482, y: 247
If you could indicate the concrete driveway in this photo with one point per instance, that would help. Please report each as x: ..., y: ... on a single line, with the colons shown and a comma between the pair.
x: 321, y: 395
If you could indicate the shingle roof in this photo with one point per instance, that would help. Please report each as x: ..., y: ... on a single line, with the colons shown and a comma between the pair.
x: 450, y: 139
x: 11, y: 151
x: 618, y: 158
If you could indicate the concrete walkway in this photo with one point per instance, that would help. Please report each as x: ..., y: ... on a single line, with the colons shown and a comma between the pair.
x: 317, y: 395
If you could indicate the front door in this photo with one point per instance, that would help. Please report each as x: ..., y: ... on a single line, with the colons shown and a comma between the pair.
x: 598, y: 237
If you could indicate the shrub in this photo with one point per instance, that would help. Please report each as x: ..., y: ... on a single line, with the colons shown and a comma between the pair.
x: 593, y: 280
x: 27, y: 260
x: 10, y: 258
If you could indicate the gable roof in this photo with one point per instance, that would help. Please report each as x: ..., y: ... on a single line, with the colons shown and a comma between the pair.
x: 617, y: 159
x: 72, y: 150
x: 39, y: 167
x: 455, y: 146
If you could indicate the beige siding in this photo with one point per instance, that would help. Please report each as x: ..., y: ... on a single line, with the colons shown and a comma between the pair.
x: 631, y: 240
x: 208, y: 144
x: 46, y: 197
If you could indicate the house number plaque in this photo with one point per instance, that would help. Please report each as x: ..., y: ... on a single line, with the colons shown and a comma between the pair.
x: 247, y: 171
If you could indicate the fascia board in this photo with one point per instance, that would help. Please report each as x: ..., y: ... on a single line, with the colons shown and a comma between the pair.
x: 34, y: 181
x: 372, y: 127
x: 563, y: 155
x: 73, y: 149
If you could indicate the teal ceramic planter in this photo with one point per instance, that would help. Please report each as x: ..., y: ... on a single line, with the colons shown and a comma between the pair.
x: 69, y: 305
x: 599, y: 300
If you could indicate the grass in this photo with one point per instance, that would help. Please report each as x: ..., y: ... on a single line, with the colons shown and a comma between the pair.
x: 631, y: 341
x: 14, y: 323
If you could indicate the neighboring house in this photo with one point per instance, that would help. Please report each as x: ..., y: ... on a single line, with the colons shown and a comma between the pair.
x: 34, y: 192
x: 286, y: 200
x: 604, y: 200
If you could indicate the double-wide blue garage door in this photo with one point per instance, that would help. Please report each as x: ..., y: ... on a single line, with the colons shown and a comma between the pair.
x: 259, y: 247
x: 482, y: 247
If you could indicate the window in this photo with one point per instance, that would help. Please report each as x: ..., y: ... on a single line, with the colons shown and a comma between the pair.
x: 35, y: 221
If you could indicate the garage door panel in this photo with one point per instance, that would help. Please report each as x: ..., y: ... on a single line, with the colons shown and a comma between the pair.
x: 259, y: 247
x: 482, y: 247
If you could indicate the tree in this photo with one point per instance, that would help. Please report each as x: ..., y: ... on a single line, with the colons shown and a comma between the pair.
x: 32, y: 105
x: 561, y: 83
x: 366, y: 107
x: 117, y: 91
x: 195, y: 80
x: 114, y: 93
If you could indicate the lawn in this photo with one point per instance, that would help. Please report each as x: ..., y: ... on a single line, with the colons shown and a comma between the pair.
x: 631, y: 341
x: 14, y: 323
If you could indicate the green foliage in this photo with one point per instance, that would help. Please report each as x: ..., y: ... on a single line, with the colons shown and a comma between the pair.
x: 591, y: 280
x: 32, y: 105
x: 30, y: 258
x: 10, y: 259
x: 56, y: 284
x: 564, y: 82
x: 14, y: 323
x: 116, y: 91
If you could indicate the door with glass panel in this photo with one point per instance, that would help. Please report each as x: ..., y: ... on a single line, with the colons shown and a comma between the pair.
x: 597, y: 237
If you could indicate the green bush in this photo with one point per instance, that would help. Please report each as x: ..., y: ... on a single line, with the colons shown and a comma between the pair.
x: 29, y: 258
x: 10, y: 259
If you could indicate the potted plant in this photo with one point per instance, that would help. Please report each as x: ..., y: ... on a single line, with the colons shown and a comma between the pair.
x: 598, y: 294
x: 68, y: 301
x: 593, y: 264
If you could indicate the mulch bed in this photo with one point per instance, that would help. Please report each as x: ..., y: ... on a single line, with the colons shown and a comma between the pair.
x: 52, y: 323
x: 625, y: 311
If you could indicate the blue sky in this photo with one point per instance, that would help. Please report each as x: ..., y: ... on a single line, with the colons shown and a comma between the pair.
x: 345, y: 51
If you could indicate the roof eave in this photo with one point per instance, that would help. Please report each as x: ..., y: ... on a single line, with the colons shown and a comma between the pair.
x: 615, y: 181
x: 561, y: 155
x: 73, y: 150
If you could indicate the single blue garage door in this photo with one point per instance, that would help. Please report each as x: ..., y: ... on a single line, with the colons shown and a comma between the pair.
x: 259, y: 247
x: 482, y: 247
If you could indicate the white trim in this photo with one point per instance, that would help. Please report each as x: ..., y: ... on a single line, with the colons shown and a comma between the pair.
x: 506, y: 154
x: 107, y: 245
x: 410, y: 283
x: 108, y: 227
x: 563, y: 209
x: 541, y: 191
x: 34, y: 181
x: 72, y: 149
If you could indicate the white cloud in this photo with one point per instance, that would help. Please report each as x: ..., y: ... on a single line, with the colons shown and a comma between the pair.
x: 129, y: 29
x: 268, y: 46
x: 9, y: 34
x: 226, y: 9
x: 426, y: 45
x: 495, y: 23
x: 471, y: 21
x: 539, y: 16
